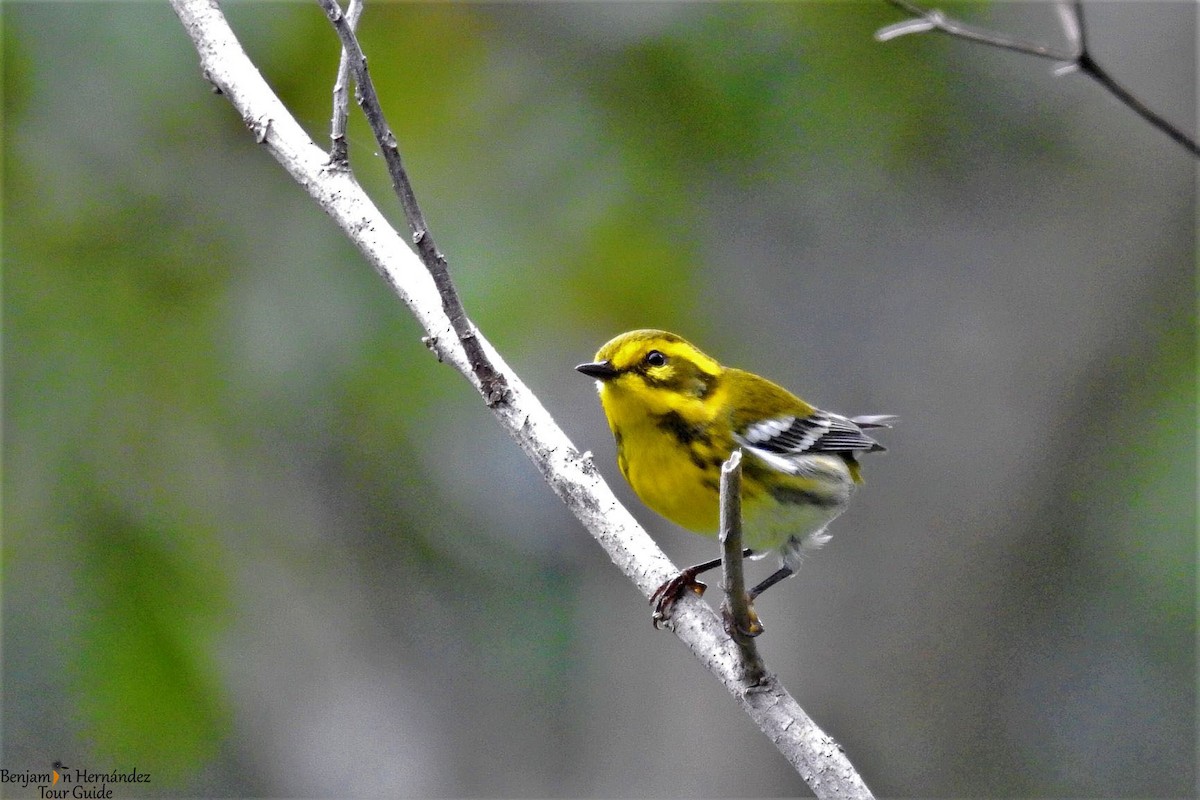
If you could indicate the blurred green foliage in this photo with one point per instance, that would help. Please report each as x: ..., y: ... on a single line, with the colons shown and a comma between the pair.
x: 150, y: 599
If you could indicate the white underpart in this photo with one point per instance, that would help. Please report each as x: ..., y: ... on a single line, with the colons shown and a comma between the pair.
x: 803, y: 530
x: 797, y: 548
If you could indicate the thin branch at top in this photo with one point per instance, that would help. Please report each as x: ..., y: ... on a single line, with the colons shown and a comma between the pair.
x: 934, y: 20
x: 1078, y: 58
x: 491, y: 383
x: 339, y: 149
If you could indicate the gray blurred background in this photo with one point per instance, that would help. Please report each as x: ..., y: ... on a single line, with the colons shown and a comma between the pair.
x: 258, y: 542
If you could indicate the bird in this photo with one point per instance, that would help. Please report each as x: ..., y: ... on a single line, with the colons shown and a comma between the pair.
x: 676, y: 415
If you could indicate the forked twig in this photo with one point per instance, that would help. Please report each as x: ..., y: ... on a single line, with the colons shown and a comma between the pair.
x: 1077, y: 58
x: 491, y: 383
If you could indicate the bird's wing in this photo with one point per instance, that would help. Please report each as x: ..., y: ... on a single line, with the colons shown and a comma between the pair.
x: 783, y: 441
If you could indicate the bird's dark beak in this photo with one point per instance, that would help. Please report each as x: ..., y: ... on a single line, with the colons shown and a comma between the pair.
x: 600, y: 370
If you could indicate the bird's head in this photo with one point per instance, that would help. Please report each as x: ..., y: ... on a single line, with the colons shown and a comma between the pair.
x: 658, y: 369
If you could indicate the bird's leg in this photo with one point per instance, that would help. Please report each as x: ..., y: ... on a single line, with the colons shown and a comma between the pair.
x: 666, y: 595
x: 775, y: 577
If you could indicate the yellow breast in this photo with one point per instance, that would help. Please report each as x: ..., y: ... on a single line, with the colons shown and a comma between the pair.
x: 669, y: 480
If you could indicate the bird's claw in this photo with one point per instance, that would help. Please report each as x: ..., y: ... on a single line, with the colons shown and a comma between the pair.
x: 753, y: 627
x: 667, y: 595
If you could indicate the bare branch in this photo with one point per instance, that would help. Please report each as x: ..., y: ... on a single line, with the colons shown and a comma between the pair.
x: 934, y: 20
x: 740, y: 621
x: 339, y: 149
x: 1078, y: 58
x: 572, y: 475
x: 491, y: 383
x: 1089, y: 66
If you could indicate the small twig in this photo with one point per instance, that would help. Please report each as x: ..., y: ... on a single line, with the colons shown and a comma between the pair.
x: 934, y: 20
x: 339, y: 151
x: 1077, y: 58
x: 491, y: 383
x: 736, y: 607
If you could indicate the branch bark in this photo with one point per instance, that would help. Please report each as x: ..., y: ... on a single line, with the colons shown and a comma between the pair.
x: 571, y: 474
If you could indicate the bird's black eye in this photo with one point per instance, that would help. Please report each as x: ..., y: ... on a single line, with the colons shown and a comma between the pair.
x: 655, y: 358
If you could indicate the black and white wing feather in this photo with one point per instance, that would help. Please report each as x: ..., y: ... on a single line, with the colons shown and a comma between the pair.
x: 784, y: 442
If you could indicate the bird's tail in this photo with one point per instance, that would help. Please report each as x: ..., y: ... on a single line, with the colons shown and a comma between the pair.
x: 875, y: 420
